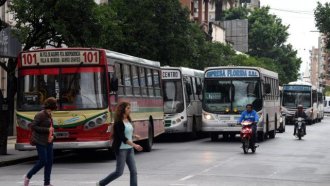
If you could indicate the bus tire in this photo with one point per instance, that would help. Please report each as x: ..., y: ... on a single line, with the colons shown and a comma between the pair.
x: 193, y: 134
x: 272, y: 134
x: 225, y: 136
x: 214, y: 136
x: 147, y: 144
x: 276, y: 123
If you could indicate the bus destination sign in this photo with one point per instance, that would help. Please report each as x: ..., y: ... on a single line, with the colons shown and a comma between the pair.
x: 227, y: 73
x: 298, y: 88
x: 60, y: 57
x: 171, y: 74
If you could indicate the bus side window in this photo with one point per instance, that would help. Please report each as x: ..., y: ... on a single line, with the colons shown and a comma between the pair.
x: 127, y: 80
x: 156, y: 83
x: 113, y: 82
x: 119, y: 75
x: 143, y: 83
x: 149, y: 82
x: 135, y: 80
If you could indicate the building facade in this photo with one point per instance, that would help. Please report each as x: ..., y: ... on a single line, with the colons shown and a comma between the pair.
x: 314, y: 66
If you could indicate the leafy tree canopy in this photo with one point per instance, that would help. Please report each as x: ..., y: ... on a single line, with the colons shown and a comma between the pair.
x: 55, y: 22
x: 322, y: 14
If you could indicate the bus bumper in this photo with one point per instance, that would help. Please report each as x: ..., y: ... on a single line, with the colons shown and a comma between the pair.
x: 68, y: 145
x: 221, y: 129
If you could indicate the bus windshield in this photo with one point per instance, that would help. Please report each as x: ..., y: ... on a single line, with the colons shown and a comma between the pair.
x: 223, y: 95
x: 173, y: 96
x: 292, y: 99
x: 75, y: 88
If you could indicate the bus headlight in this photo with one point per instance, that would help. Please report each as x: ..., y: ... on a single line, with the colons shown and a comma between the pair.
x: 208, y: 116
x: 95, y: 122
x: 23, y: 123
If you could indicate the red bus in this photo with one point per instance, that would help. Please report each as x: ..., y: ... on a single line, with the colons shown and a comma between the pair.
x: 88, y: 84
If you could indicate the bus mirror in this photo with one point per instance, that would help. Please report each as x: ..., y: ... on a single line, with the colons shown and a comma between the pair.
x: 199, y: 90
x: 114, y: 84
x: 188, y: 89
x: 267, y: 88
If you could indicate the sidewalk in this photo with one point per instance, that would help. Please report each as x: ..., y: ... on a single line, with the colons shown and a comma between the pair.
x: 13, y: 156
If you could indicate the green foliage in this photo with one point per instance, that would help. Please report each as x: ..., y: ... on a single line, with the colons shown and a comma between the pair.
x: 322, y: 14
x: 55, y: 22
x: 267, y: 43
x: 327, y: 91
x: 157, y: 30
x: 266, y: 31
x: 236, y: 13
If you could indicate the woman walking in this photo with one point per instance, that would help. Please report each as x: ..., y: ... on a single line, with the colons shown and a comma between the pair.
x: 42, y: 137
x: 123, y: 145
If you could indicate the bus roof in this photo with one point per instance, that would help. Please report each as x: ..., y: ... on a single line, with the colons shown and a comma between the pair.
x: 261, y: 70
x: 125, y: 57
x: 299, y: 83
x: 186, y: 71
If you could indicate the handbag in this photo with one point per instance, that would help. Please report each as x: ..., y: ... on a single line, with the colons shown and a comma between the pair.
x: 32, y: 142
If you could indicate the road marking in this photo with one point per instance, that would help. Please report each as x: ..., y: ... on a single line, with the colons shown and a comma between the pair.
x: 186, y: 178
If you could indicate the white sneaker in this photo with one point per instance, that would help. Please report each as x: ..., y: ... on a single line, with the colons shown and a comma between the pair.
x: 26, y: 181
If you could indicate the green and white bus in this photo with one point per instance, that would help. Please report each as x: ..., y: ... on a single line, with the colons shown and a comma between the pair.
x: 226, y: 92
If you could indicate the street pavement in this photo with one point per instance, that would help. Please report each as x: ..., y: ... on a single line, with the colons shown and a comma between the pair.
x: 283, y: 161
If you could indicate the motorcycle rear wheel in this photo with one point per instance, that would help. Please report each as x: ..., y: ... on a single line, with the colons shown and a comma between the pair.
x: 246, y: 144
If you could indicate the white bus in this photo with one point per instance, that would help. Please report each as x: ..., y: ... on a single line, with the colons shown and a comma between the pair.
x: 299, y: 93
x: 327, y: 105
x: 182, y: 100
x: 226, y: 92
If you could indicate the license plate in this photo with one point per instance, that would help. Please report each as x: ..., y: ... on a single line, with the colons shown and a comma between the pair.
x: 61, y: 134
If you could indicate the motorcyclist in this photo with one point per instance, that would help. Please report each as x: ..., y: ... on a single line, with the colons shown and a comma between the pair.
x: 250, y: 115
x: 300, y: 113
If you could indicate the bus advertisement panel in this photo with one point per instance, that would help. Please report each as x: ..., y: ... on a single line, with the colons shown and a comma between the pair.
x: 79, y: 79
x: 182, y: 100
x: 227, y: 91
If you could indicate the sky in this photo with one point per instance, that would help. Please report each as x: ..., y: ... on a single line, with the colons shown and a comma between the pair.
x: 299, y: 15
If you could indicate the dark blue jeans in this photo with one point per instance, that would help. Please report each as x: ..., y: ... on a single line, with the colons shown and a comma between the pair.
x: 124, y: 155
x: 45, y: 154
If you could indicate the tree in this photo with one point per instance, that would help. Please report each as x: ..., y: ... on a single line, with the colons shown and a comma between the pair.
x: 37, y: 28
x: 162, y: 32
x: 267, y: 42
x: 266, y: 31
x: 235, y: 13
x: 322, y: 14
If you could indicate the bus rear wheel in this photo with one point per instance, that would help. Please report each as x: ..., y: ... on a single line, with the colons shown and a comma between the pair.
x: 261, y: 136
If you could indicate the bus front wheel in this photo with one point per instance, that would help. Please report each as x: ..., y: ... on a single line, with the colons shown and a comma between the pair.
x: 147, y: 144
x: 214, y: 136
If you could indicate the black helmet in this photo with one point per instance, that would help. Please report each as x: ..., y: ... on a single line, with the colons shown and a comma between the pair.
x: 300, y: 107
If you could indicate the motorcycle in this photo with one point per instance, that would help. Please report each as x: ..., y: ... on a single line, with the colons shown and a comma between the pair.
x: 299, y: 127
x: 246, y: 137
